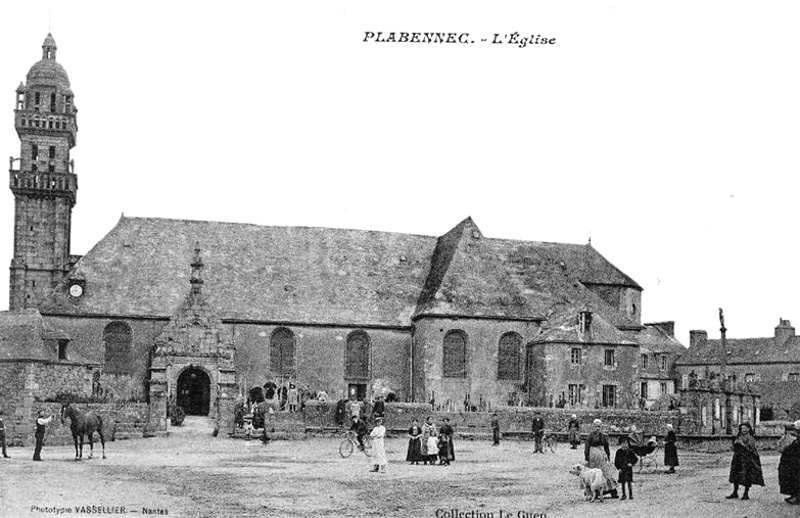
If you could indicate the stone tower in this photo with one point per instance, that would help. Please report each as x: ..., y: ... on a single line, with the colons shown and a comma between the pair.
x: 43, y: 180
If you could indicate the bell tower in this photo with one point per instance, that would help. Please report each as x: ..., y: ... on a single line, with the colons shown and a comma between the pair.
x: 43, y: 180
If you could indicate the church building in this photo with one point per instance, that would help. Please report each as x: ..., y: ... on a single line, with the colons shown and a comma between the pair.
x: 200, y: 311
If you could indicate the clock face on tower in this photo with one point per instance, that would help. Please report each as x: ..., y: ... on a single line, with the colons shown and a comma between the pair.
x: 76, y: 290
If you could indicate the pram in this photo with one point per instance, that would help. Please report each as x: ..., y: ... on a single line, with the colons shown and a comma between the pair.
x: 645, y: 450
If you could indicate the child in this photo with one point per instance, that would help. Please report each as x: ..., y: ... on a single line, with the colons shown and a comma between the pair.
x: 495, y: 430
x: 624, y: 461
x: 433, y: 449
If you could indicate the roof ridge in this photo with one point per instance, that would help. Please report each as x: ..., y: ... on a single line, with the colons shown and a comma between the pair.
x: 257, y: 225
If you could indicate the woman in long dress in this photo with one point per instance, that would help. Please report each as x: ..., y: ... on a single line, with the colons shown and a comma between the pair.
x: 597, y: 455
x: 378, y: 448
x: 414, y: 434
x: 746, y: 463
x: 789, y: 466
x: 670, y: 450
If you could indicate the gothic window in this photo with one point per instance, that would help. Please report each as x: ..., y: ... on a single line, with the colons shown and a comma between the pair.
x: 281, y: 351
x: 663, y: 386
x: 508, y: 357
x: 117, y: 337
x: 663, y: 362
x: 643, y: 391
x: 357, y: 355
x: 454, y: 361
x: 644, y: 361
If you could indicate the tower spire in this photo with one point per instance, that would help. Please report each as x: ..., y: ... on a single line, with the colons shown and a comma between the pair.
x: 43, y: 180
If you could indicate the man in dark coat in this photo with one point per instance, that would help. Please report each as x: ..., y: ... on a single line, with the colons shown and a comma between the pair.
x: 341, y: 411
x: 360, y: 429
x: 378, y: 408
x: 746, y: 463
x: 537, y: 427
x: 670, y: 450
x: 41, y: 430
x: 789, y: 466
x: 495, y: 430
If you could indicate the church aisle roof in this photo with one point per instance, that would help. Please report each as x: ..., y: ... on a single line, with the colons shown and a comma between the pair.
x: 327, y: 276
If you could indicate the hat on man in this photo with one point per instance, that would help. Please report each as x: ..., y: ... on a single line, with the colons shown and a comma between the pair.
x: 597, y: 421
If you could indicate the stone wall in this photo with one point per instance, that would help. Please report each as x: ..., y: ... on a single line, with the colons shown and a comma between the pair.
x: 557, y: 372
x: 761, y: 372
x: 120, y: 421
x: 716, y: 412
x: 87, y: 343
x: 26, y: 385
x: 483, y: 342
x: 514, y: 421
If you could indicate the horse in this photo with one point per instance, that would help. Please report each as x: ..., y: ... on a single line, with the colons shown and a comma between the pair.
x: 83, y: 425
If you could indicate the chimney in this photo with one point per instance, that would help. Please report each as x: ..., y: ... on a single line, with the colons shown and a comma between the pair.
x: 784, y: 330
x: 698, y: 338
x: 667, y: 327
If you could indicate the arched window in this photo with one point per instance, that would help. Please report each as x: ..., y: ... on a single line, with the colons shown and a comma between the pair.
x: 356, y: 361
x: 454, y: 362
x: 117, y: 337
x: 281, y: 351
x: 508, y: 357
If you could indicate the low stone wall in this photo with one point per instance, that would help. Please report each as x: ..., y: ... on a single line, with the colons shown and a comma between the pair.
x: 120, y: 421
x: 722, y: 443
x: 514, y: 421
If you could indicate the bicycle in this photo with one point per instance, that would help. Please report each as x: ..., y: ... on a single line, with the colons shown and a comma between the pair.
x: 350, y: 443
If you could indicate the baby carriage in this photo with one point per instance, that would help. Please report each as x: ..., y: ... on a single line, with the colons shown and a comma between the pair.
x: 645, y: 450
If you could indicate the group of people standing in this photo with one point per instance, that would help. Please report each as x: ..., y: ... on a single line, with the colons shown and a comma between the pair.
x: 597, y: 454
x: 429, y: 444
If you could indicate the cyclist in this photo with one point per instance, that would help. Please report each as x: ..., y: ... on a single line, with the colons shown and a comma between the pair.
x: 360, y: 429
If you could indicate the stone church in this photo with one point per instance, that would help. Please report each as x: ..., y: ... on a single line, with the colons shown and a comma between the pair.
x: 199, y: 311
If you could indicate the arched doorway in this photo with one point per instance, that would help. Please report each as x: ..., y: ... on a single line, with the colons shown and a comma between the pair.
x: 194, y: 391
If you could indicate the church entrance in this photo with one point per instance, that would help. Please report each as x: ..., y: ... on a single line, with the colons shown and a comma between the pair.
x: 194, y: 391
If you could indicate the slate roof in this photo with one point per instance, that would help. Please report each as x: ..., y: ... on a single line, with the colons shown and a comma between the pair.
x: 333, y: 276
x: 781, y: 394
x: 653, y: 339
x: 23, y: 335
x: 745, y: 350
x: 566, y: 329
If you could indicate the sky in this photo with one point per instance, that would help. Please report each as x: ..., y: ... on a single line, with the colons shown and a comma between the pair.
x: 667, y: 133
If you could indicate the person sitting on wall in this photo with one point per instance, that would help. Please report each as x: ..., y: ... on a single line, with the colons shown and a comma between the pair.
x: 378, y: 408
x: 360, y: 428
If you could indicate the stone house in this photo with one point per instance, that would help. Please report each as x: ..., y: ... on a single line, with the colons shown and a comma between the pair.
x: 658, y: 354
x: 768, y: 365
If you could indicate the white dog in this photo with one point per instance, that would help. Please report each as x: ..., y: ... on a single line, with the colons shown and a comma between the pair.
x: 591, y: 480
